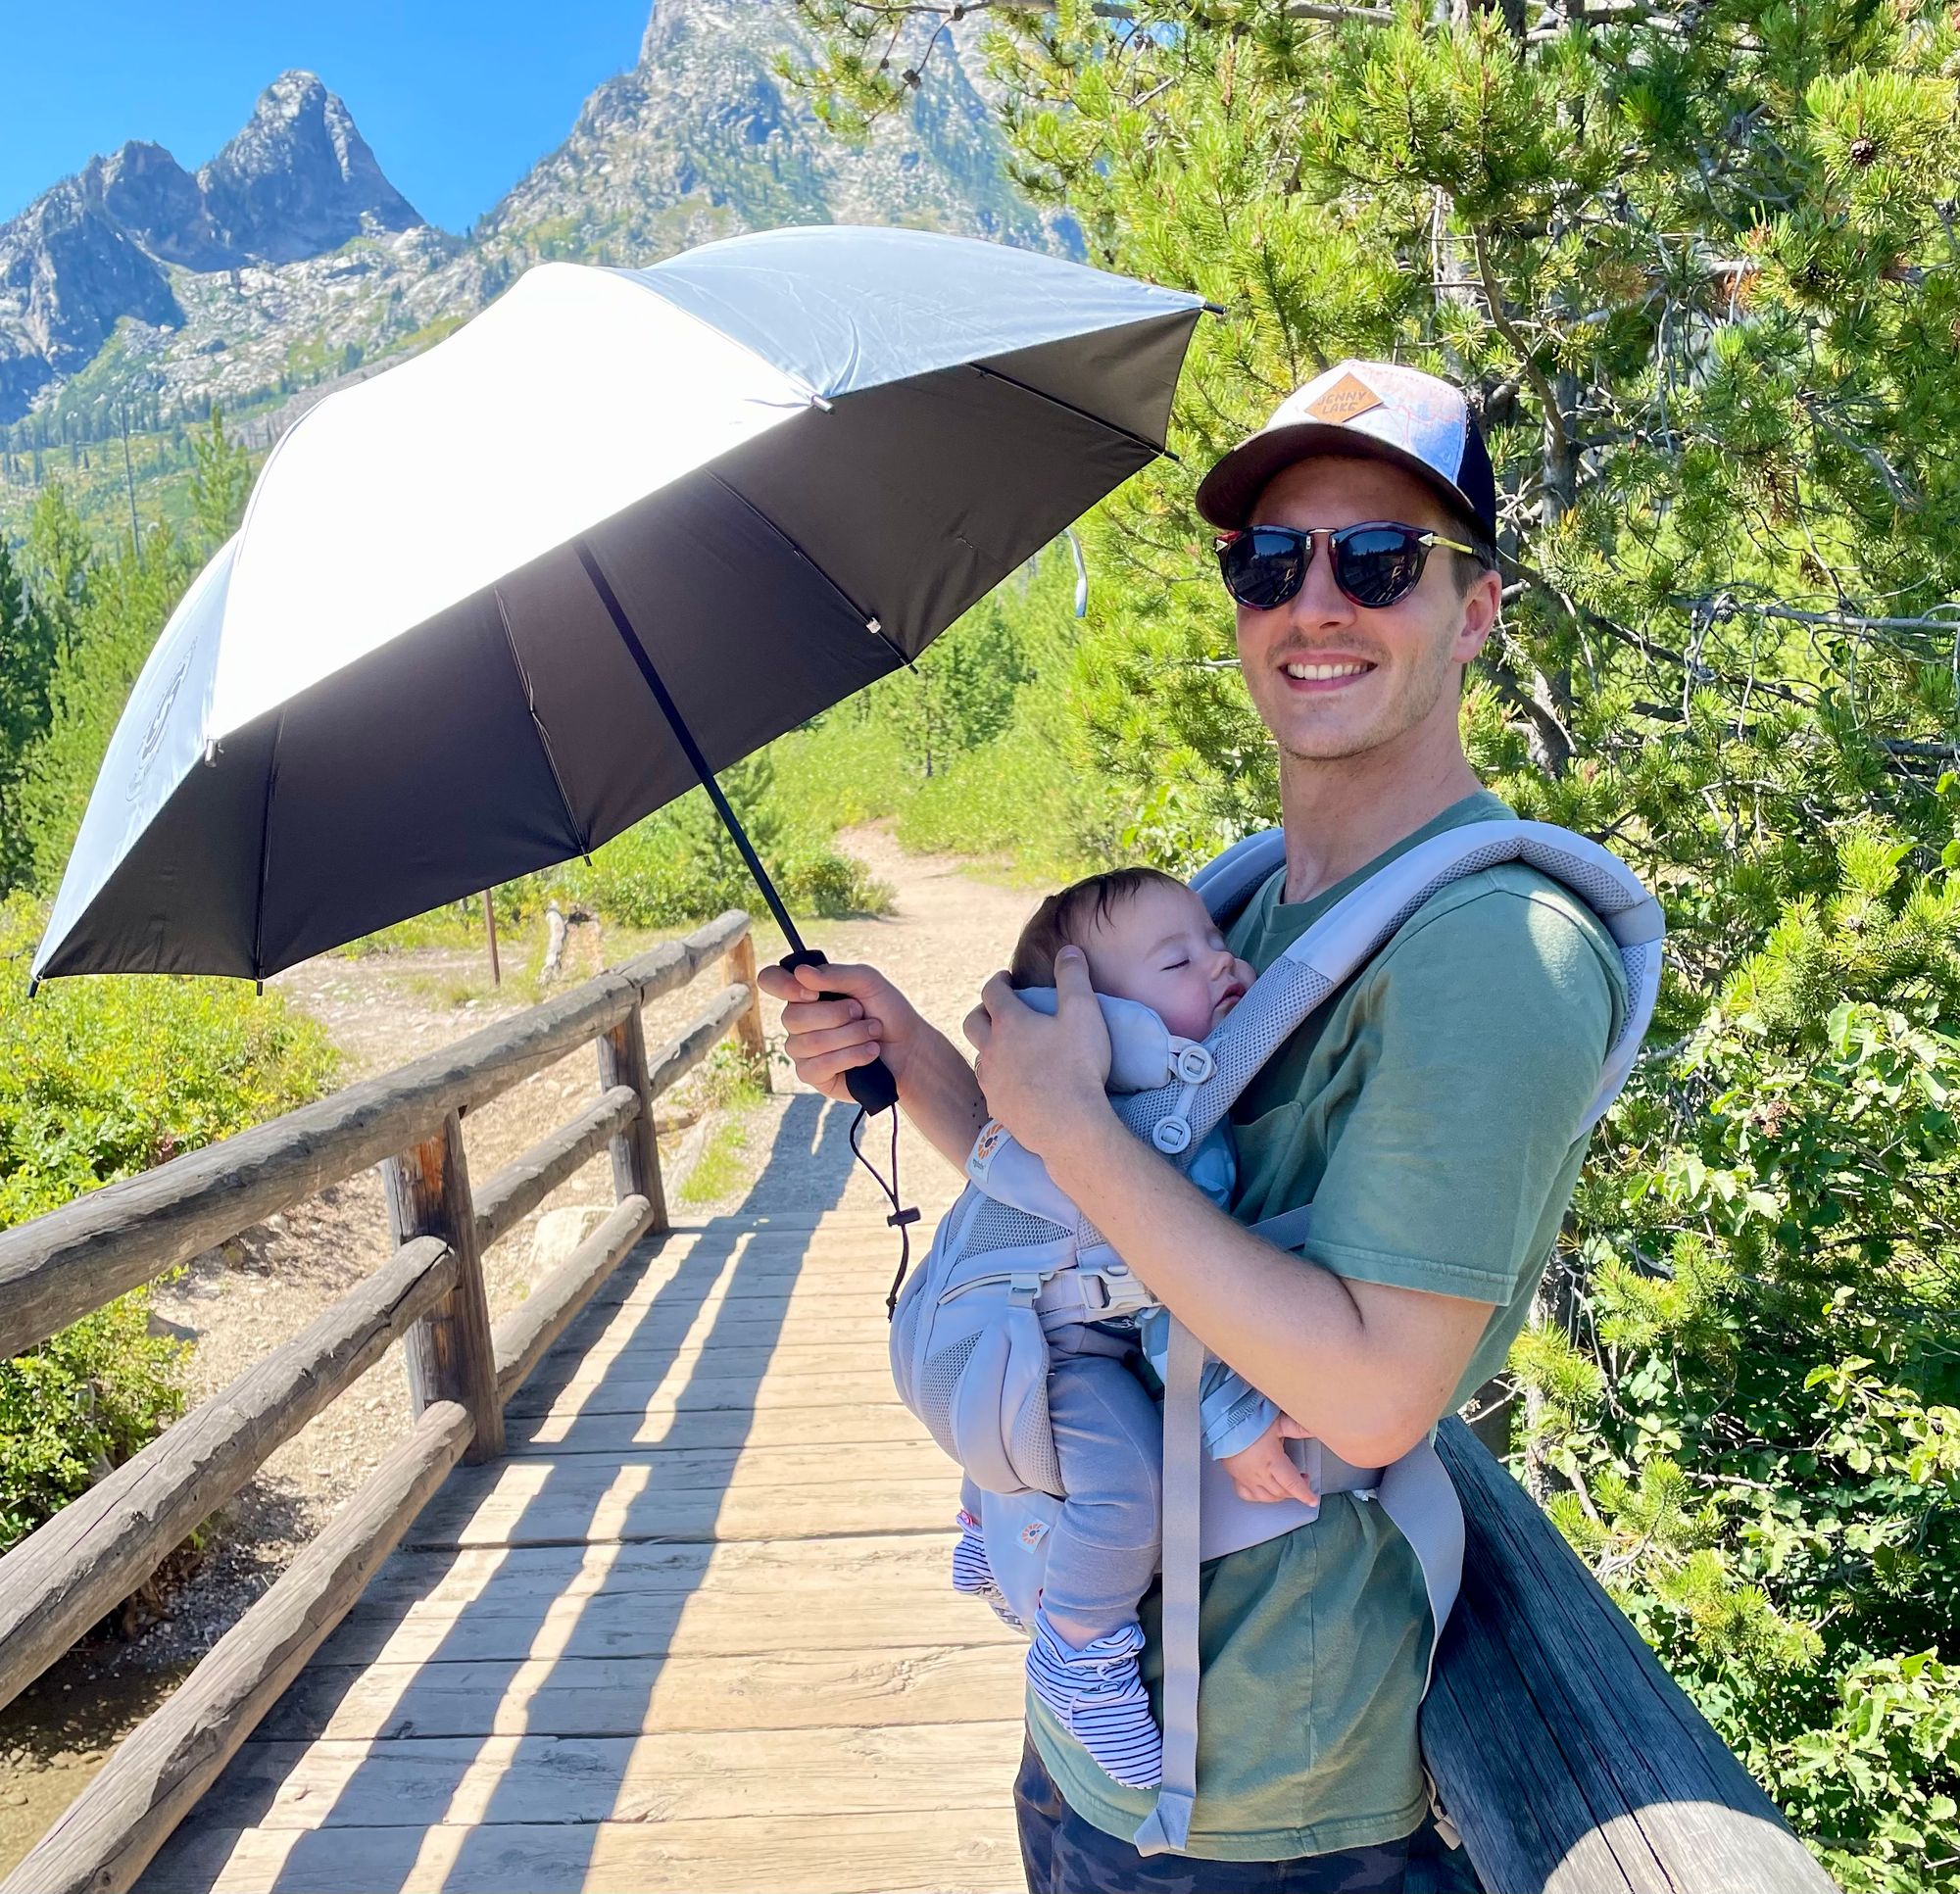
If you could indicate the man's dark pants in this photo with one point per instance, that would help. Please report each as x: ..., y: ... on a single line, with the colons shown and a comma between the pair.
x: 1062, y: 1854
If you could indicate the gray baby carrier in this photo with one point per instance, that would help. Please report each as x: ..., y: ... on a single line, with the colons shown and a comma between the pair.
x: 1014, y: 1258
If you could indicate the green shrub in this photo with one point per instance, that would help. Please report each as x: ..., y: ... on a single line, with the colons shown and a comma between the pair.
x: 680, y: 865
x: 80, y: 1404
x: 103, y: 1076
x: 101, y: 1079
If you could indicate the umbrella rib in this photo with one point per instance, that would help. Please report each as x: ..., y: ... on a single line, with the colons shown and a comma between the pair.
x: 572, y: 822
x: 863, y: 617
x: 1153, y: 447
x: 265, y: 854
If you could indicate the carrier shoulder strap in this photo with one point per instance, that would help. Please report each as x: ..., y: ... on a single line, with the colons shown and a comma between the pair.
x: 1416, y: 1491
x: 1176, y: 1116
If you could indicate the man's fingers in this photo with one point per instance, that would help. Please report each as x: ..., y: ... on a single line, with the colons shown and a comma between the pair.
x: 978, y: 1026
x: 997, y: 995
x: 1071, y: 979
x: 833, y: 1039
x: 1291, y: 1430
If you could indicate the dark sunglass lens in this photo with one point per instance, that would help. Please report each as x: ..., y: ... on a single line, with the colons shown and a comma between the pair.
x: 1378, y: 564
x: 1263, y: 569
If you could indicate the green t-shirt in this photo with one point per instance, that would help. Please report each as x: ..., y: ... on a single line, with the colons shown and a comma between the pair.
x: 1427, y: 1111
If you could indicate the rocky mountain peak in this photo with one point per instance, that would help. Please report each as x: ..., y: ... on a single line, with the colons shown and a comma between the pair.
x: 299, y: 180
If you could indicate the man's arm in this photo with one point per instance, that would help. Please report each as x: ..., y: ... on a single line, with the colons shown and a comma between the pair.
x: 826, y: 1038
x: 1364, y: 1368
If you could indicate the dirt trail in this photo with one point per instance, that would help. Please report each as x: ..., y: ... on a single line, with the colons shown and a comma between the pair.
x: 947, y: 933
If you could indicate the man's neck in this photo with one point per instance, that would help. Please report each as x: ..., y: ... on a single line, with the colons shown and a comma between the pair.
x: 1340, y: 814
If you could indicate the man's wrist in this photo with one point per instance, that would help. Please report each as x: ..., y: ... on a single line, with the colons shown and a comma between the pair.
x: 1080, y: 1162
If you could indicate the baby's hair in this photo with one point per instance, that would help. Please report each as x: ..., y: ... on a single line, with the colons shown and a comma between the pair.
x: 1065, y: 917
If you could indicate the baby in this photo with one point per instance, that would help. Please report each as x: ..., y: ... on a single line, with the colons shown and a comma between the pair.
x: 1147, y: 938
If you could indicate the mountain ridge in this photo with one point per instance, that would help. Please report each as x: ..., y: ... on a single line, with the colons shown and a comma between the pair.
x: 105, y: 244
x: 289, y: 260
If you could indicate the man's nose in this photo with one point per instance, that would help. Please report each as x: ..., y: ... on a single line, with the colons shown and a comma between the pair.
x: 1319, y: 602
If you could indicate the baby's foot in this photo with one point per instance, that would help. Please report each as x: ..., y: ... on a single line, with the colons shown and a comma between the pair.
x: 970, y: 1571
x: 1099, y: 1694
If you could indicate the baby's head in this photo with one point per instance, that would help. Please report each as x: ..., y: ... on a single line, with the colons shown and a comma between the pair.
x: 1148, y: 938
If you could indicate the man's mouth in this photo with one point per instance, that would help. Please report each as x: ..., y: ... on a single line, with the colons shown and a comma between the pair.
x: 1324, y: 674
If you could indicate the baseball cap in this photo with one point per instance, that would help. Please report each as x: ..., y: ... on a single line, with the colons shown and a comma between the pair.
x: 1371, y: 410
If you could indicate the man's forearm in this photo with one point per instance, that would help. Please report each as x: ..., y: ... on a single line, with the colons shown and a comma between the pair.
x: 1295, y: 1330
x: 941, y: 1096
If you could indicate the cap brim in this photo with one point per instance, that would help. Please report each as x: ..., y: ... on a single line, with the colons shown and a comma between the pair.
x: 1226, y: 495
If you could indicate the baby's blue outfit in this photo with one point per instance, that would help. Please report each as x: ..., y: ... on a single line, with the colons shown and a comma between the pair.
x: 1108, y: 1438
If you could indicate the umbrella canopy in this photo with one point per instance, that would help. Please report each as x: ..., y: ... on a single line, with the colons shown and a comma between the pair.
x: 762, y: 473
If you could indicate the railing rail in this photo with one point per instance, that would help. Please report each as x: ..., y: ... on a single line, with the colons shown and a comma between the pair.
x: 430, y: 1294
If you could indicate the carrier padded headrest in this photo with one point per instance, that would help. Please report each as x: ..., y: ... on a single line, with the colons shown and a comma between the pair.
x: 1144, y: 1053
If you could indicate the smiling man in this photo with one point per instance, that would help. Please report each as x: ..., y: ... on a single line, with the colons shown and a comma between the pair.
x: 1428, y: 1111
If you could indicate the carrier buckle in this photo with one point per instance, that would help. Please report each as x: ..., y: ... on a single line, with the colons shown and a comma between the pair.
x: 1117, y: 1291
x: 1170, y: 1135
x: 1194, y: 1064
x: 1025, y: 1286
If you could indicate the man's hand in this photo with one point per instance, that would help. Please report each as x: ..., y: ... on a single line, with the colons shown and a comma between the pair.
x: 828, y: 1037
x: 1044, y: 1078
x: 1265, y: 1470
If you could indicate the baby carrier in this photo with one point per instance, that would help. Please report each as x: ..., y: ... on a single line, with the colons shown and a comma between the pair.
x: 1014, y: 1258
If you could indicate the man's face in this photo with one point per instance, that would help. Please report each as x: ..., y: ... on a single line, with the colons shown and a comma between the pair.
x: 1396, y: 670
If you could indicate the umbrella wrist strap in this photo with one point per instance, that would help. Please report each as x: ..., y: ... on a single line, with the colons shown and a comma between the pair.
x: 901, y: 1219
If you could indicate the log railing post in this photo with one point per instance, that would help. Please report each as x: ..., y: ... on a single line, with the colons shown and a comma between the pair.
x: 636, y: 1156
x: 740, y: 962
x: 450, y: 1353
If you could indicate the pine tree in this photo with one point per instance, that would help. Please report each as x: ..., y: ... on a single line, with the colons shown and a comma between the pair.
x: 29, y: 645
x: 220, y: 482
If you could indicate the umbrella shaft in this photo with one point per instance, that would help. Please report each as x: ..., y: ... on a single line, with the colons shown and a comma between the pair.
x: 685, y: 738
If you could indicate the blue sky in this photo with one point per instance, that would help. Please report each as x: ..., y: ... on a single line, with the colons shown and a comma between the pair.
x: 457, y: 100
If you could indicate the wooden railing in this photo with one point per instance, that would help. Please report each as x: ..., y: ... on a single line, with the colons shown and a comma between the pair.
x: 1568, y: 1759
x: 462, y: 1368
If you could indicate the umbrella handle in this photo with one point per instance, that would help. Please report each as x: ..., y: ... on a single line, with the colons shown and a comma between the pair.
x: 871, y: 1086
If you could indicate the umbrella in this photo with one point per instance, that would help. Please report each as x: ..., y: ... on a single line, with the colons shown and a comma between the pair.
x: 491, y: 607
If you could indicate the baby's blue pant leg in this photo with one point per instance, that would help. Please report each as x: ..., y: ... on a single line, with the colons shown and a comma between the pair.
x: 1102, y: 1551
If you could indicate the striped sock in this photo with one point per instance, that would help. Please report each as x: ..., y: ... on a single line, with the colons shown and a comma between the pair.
x: 1098, y: 1695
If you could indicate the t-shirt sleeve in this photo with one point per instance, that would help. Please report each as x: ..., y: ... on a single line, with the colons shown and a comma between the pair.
x: 1485, y: 1023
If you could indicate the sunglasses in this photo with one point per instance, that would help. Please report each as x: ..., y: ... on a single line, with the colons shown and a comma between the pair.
x: 1375, y: 564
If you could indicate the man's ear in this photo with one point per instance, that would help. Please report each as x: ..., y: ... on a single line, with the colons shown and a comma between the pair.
x: 1480, y: 615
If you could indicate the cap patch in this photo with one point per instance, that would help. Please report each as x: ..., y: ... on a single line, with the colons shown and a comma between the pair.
x: 1348, y: 397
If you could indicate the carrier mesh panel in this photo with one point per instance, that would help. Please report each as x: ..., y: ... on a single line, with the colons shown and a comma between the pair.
x: 905, y: 1320
x: 937, y: 1380
x: 1604, y: 892
x: 1637, y: 961
x: 1000, y: 1226
x: 1032, y: 1448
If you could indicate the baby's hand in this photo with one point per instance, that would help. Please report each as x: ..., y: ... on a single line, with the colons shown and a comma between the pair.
x: 1265, y: 1470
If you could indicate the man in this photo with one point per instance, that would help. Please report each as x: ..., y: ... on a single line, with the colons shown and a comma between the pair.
x: 1429, y: 1111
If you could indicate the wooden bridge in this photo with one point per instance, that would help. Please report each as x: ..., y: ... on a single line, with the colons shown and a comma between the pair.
x: 669, y: 1605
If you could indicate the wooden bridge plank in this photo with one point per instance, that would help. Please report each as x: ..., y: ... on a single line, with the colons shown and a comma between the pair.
x: 659, y: 1777
x: 587, y: 1499
x: 842, y: 1854
x: 631, y: 1621
x: 573, y: 1696
x: 740, y: 1568
x: 609, y: 1433
x: 597, y: 1392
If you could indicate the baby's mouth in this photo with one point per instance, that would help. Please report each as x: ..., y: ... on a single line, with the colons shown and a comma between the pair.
x: 1231, y: 998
